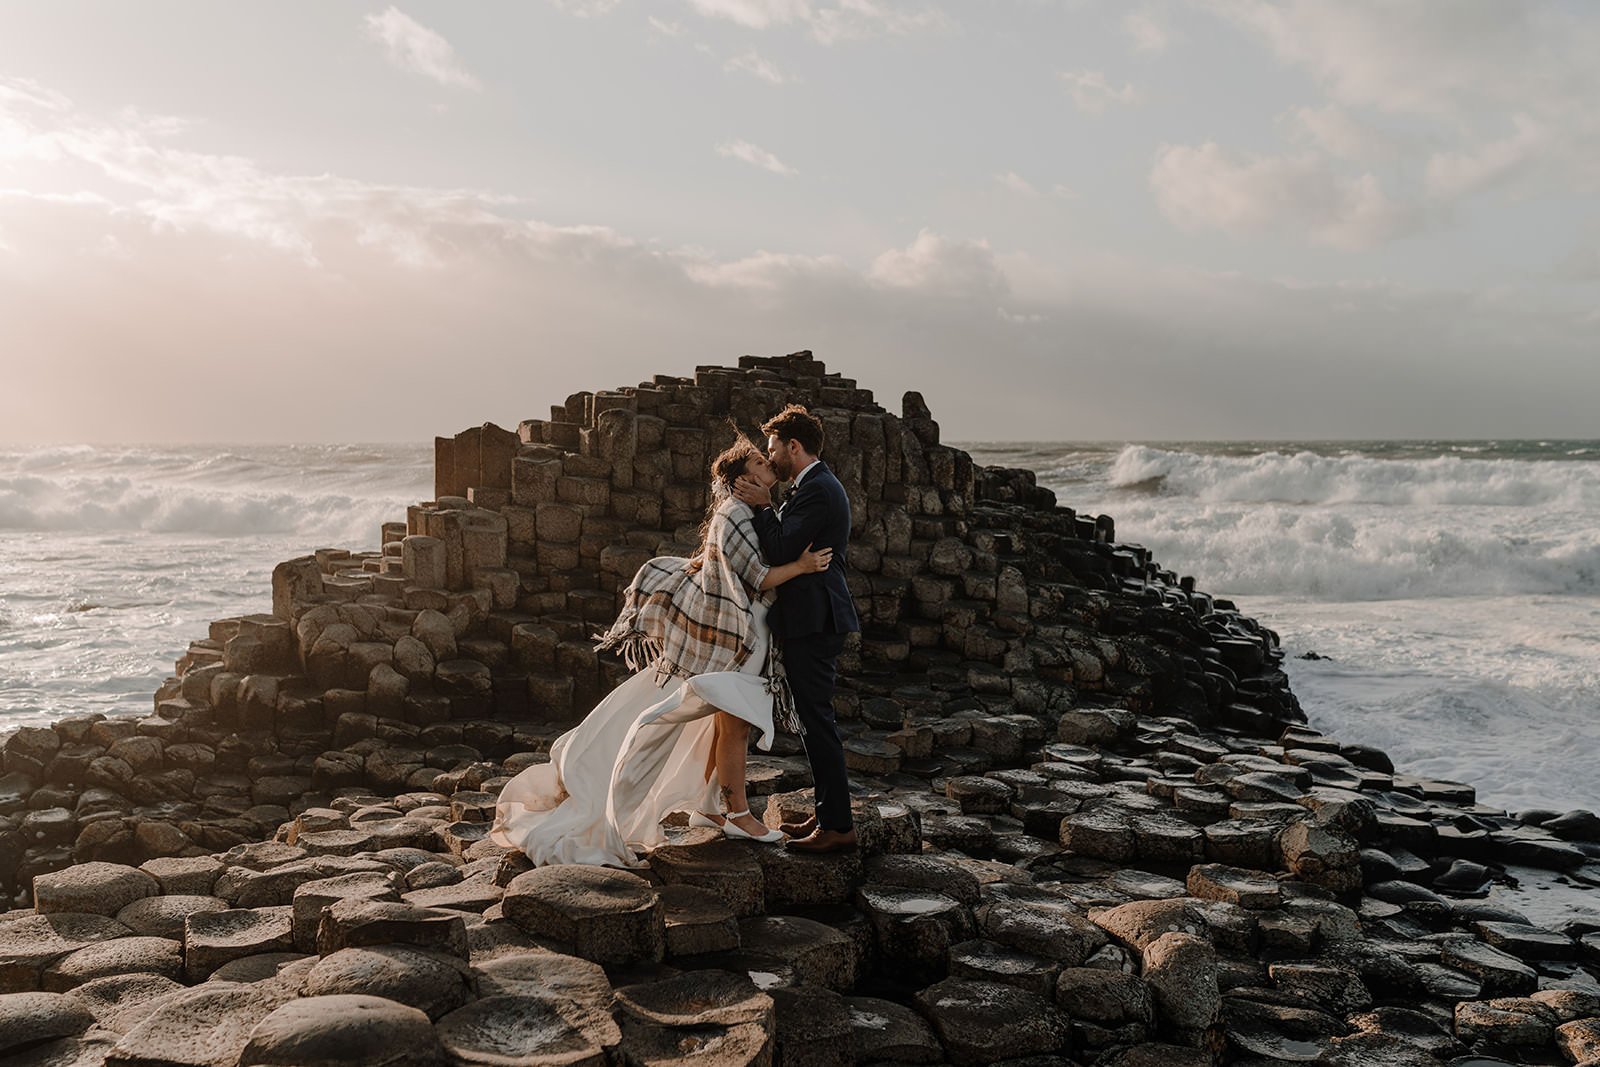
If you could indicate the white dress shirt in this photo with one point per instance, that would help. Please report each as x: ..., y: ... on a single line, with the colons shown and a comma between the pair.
x: 796, y: 483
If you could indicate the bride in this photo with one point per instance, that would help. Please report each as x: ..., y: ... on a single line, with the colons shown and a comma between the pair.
x: 673, y: 737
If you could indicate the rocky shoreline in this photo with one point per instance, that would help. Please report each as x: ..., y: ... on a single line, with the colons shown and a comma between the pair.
x: 1096, y: 827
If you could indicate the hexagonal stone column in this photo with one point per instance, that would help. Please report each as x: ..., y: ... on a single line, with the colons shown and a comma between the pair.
x: 607, y: 915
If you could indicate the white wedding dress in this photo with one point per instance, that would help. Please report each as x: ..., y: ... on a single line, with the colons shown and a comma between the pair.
x: 639, y: 755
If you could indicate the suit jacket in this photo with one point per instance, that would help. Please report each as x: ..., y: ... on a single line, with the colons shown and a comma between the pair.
x: 816, y: 514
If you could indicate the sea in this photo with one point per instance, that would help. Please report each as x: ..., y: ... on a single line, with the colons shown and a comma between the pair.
x: 1437, y: 599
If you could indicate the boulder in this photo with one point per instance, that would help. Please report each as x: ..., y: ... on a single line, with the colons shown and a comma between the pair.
x: 354, y: 923
x: 980, y: 1023
x: 332, y: 1031
x: 607, y: 915
x: 434, y: 983
x: 1181, y: 971
x: 211, y: 939
x: 204, y: 1027
x: 119, y: 955
x: 120, y: 1002
x: 29, y: 1017
x: 721, y: 1015
x: 882, y: 1031
x: 95, y: 888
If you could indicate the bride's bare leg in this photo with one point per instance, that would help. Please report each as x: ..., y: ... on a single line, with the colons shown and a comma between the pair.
x: 716, y: 738
x: 732, y: 746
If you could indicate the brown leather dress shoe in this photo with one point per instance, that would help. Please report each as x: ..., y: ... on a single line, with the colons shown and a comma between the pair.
x: 822, y: 841
x: 803, y: 828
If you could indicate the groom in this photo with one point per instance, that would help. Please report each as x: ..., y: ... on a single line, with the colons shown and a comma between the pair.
x: 814, y: 612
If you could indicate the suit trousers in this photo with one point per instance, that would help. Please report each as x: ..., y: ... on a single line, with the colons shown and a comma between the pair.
x: 811, y: 662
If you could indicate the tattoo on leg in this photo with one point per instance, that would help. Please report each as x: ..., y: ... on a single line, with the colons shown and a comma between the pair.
x: 727, y: 799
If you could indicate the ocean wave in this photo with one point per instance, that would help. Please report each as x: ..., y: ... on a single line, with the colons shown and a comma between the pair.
x: 321, y: 491
x: 1306, y: 477
x: 1374, y: 554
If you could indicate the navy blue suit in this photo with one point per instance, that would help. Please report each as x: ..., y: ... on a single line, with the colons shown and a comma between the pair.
x: 812, y: 615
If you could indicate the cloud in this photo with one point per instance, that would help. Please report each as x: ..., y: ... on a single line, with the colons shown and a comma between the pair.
x: 752, y: 63
x: 195, y: 295
x: 1091, y: 92
x: 1016, y: 183
x: 413, y: 47
x: 585, y: 9
x: 1204, y: 187
x: 1456, y: 174
x: 1465, y: 72
x: 755, y: 156
x: 1334, y: 130
x: 1148, y: 31
x: 846, y: 20
x: 665, y: 28
x: 937, y: 264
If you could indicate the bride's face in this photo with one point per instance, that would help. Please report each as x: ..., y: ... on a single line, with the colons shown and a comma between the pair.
x: 758, y: 468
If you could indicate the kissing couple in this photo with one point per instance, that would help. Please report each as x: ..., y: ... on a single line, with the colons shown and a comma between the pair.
x: 744, y: 634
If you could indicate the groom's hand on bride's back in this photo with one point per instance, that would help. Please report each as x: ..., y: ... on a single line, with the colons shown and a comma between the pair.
x: 752, y: 492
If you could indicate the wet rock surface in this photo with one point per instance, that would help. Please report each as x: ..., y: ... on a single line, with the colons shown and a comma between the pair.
x: 1096, y: 828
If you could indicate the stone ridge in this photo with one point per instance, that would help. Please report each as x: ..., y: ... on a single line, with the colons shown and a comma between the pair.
x: 1096, y: 828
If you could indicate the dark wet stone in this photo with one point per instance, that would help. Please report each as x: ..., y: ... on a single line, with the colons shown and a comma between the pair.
x: 1504, y: 1021
x: 980, y: 1023
x: 1447, y: 982
x: 1338, y: 990
x: 1415, y: 1028
x: 1463, y: 876
x: 1181, y: 971
x: 1042, y: 924
x: 1108, y: 998
x: 813, y: 1028
x: 915, y: 927
x: 884, y: 1032
x: 989, y: 961
x: 713, y: 1014
x: 726, y: 868
x: 1497, y: 972
x: 933, y: 873
x: 1575, y: 825
x: 818, y: 953
x: 697, y: 921
x: 1526, y: 942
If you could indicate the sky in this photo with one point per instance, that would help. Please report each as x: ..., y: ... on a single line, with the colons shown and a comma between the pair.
x: 1057, y: 219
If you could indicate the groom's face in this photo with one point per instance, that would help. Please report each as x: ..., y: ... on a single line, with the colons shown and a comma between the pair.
x: 780, y: 454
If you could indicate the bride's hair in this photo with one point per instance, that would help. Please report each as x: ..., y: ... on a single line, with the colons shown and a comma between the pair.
x: 725, y: 470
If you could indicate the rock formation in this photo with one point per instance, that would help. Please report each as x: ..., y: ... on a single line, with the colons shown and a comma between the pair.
x: 1096, y: 827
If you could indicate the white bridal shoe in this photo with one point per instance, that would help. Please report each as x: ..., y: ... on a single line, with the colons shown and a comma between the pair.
x: 731, y: 829
x: 701, y: 819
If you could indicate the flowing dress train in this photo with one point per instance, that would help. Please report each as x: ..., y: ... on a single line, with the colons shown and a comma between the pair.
x: 640, y: 754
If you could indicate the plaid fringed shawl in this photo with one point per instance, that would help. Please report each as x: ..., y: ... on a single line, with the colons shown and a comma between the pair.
x: 685, y: 623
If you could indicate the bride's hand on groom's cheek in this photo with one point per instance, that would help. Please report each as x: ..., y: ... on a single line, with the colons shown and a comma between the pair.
x: 752, y: 492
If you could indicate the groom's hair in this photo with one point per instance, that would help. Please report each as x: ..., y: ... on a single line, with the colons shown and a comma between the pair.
x: 795, y: 423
